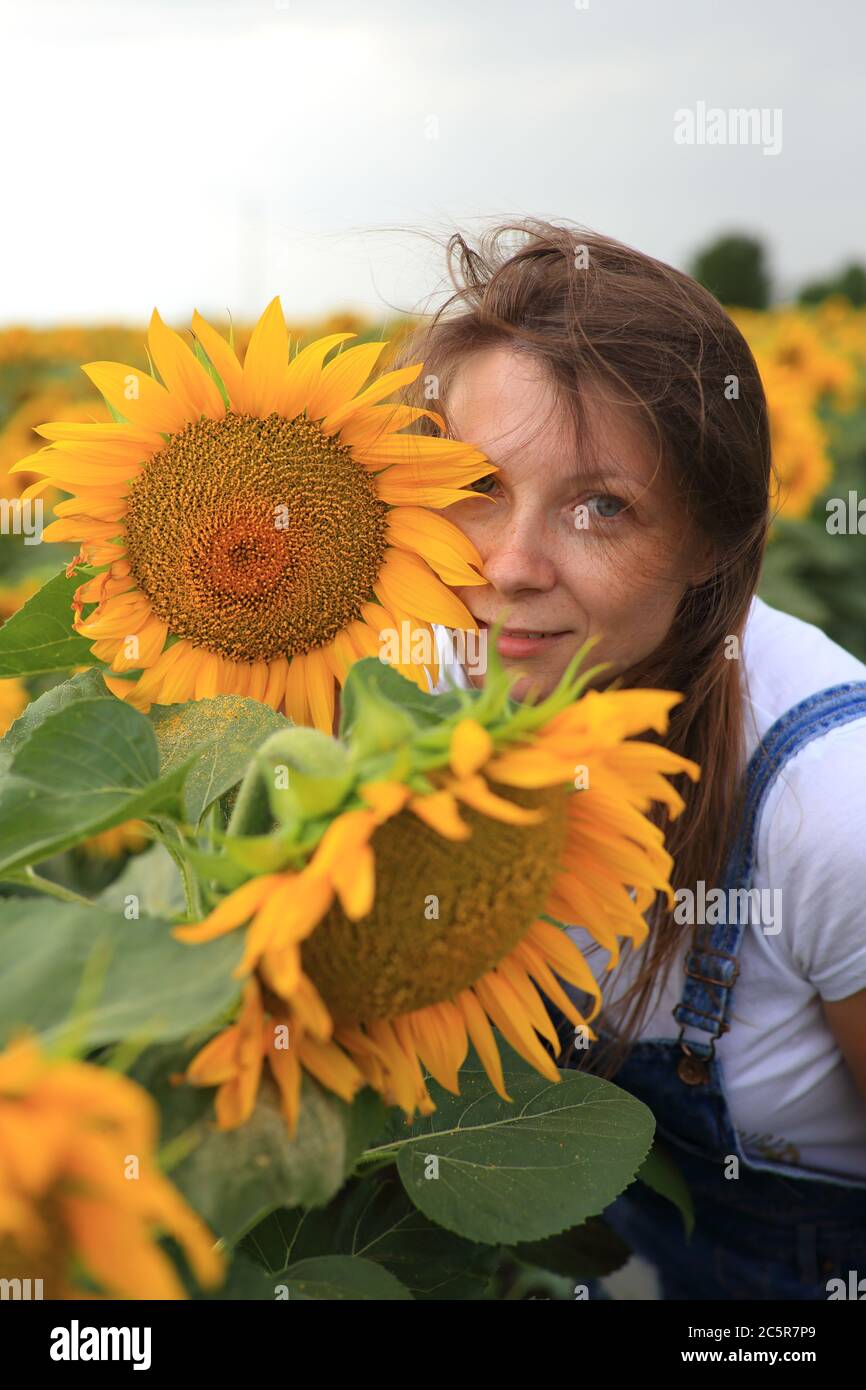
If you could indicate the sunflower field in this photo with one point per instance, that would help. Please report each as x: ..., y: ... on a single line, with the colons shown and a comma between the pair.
x: 277, y: 923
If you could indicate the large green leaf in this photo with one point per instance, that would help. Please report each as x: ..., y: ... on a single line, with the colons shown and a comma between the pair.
x: 91, y: 765
x: 559, y: 1153
x: 40, y: 637
x: 223, y: 732
x: 87, y: 685
x: 332, y: 1278
x: 142, y: 981
x: 373, y: 1218
x: 340, y: 1278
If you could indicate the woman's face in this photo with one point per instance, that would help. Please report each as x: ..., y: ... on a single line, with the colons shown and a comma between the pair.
x: 574, y: 540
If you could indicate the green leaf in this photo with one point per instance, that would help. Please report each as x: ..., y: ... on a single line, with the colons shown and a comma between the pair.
x: 223, y: 733
x: 39, y: 637
x: 661, y: 1173
x: 380, y: 679
x: 342, y: 1278
x: 235, y: 1177
x: 589, y: 1251
x: 335, y: 1278
x: 373, y: 1217
x: 153, y: 985
x: 155, y: 880
x: 90, y: 766
x: 87, y: 685
x: 557, y: 1155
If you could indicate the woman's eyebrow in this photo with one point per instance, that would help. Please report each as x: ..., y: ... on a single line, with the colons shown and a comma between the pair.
x: 585, y: 477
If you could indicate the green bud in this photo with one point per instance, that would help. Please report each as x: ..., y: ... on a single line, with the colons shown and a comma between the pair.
x: 379, y: 725
x: 306, y: 774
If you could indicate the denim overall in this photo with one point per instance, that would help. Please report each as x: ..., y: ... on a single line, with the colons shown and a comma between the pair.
x: 776, y: 1231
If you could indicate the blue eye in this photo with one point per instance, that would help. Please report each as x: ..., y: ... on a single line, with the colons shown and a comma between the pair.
x: 606, y: 501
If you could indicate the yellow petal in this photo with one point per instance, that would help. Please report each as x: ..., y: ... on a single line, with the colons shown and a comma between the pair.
x: 296, y: 699
x: 147, y: 440
x: 364, y: 426
x: 303, y: 373
x: 355, y: 881
x: 483, y: 1041
x: 237, y: 908
x: 419, y: 455
x: 446, y: 550
x: 476, y: 793
x: 439, y: 811
x: 266, y: 363
x: 116, y: 1249
x: 471, y: 746
x: 182, y: 373
x: 505, y: 1009
x: 330, y: 1065
x: 225, y: 363
x: 342, y: 378
x: 286, y: 1069
x: 385, y: 798
x: 406, y: 581
x: 320, y: 691
x: 383, y: 386
x: 136, y: 396
x: 400, y: 491
x: 217, y: 1061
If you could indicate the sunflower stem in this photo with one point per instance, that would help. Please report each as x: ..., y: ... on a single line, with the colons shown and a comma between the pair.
x: 373, y: 1159
x: 191, y: 886
x: 31, y: 879
x: 251, y: 812
x: 191, y: 889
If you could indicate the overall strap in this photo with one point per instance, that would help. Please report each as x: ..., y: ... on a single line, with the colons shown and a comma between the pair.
x: 712, y: 964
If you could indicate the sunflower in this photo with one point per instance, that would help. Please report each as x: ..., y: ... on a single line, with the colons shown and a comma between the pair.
x: 257, y: 527
x: 417, y: 898
x: 799, y: 439
x: 70, y: 1215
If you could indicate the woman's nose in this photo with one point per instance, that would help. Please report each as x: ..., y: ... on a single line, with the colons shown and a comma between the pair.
x: 518, y: 557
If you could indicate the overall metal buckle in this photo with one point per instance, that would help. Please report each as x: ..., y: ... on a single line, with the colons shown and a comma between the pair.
x: 692, y: 1069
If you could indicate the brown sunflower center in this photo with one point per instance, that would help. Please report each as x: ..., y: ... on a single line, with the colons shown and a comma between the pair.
x: 255, y: 538
x: 445, y: 912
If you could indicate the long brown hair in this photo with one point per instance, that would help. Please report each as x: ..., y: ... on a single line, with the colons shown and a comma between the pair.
x: 594, y: 310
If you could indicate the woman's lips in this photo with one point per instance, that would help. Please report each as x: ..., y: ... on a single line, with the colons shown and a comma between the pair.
x: 524, y: 641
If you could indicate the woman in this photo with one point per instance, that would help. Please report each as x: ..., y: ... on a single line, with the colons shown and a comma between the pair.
x: 626, y: 415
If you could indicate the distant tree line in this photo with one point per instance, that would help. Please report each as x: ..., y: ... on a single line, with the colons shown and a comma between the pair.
x: 735, y: 269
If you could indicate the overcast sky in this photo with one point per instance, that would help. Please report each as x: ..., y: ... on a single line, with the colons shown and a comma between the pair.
x: 211, y: 155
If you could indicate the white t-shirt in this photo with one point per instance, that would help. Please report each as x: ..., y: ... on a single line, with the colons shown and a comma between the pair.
x: 792, y: 1097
